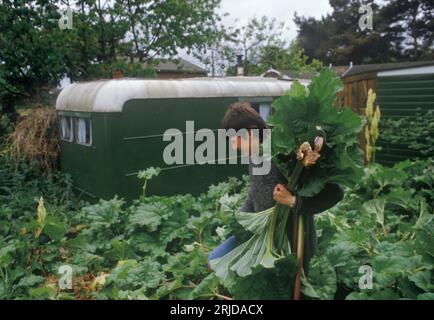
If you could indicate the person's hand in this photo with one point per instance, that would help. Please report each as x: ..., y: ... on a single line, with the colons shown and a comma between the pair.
x: 283, y: 196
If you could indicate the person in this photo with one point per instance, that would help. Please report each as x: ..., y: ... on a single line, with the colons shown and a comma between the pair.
x: 265, y: 190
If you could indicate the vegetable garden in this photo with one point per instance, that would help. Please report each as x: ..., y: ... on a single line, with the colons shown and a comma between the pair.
x: 156, y: 247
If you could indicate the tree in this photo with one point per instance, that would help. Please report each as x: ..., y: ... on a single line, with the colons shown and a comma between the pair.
x: 32, y: 50
x: 254, y: 36
x: 262, y: 46
x: 219, y: 54
x: 290, y: 57
x: 162, y: 28
x: 314, y: 36
x: 401, y: 30
x: 413, y: 24
x: 349, y: 42
x: 35, y: 53
x: 247, y: 41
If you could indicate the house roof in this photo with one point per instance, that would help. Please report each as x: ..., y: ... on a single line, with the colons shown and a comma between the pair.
x: 111, y: 95
x: 365, y: 68
x: 340, y: 70
x: 179, y: 65
x: 289, y: 74
x: 300, y: 74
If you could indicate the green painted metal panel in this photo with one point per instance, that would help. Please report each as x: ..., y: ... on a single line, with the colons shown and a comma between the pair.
x: 132, y: 140
x: 402, y: 96
x: 397, y: 148
x: 90, y: 166
x: 399, y: 91
x: 140, y: 144
x: 408, y: 84
x: 409, y: 78
x: 407, y: 105
x: 408, y: 98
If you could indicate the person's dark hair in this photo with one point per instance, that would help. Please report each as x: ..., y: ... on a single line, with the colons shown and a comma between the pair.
x: 241, y: 115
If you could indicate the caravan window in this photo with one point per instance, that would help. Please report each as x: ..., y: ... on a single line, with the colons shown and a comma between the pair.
x: 66, y: 132
x: 264, y: 110
x: 84, y: 131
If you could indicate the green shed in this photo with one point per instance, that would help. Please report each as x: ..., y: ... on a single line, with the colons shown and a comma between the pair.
x: 111, y: 129
x: 402, y: 93
x: 403, y: 89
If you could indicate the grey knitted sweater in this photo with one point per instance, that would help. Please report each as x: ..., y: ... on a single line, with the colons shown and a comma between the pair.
x: 260, y: 197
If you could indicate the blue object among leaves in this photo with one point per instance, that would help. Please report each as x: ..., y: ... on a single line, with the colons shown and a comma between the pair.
x: 227, y: 246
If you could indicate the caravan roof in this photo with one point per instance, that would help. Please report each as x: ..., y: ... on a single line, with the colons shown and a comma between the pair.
x: 111, y: 95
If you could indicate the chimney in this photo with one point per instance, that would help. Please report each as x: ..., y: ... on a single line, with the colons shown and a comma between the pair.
x: 240, y: 69
x: 117, y: 73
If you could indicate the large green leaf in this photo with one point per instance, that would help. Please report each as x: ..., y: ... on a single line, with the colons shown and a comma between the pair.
x: 148, y: 215
x: 206, y: 288
x: 386, y: 294
x: 321, y: 282
x: 255, y: 222
x: 267, y: 283
x: 55, y: 228
x: 376, y: 208
x: 424, y: 280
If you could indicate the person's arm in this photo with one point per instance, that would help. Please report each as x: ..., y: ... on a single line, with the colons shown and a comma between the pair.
x: 324, y: 200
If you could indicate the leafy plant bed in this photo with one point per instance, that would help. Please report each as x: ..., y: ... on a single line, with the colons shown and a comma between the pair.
x: 157, y: 248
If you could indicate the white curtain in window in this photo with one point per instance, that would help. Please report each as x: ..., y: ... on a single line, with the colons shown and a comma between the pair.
x: 81, y: 134
x: 264, y: 111
x: 65, y: 126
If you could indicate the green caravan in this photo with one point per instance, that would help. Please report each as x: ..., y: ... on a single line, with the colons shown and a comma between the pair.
x: 111, y: 129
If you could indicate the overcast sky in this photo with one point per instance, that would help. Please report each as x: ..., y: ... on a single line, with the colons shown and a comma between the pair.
x: 241, y: 11
x: 283, y: 10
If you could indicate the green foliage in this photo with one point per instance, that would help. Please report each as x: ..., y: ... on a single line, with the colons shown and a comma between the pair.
x: 284, y: 58
x: 267, y: 284
x: 156, y: 248
x: 336, y: 38
x: 301, y: 115
x: 108, y: 69
x: 386, y: 223
x: 25, y: 44
x: 146, y: 175
x: 106, y: 36
x: 416, y: 133
x: 6, y: 128
x: 22, y: 183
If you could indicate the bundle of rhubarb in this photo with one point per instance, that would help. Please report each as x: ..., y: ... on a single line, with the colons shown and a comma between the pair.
x: 304, y: 119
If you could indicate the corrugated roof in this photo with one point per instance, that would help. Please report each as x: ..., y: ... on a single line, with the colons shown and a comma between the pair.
x: 111, y: 95
x: 365, y: 68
